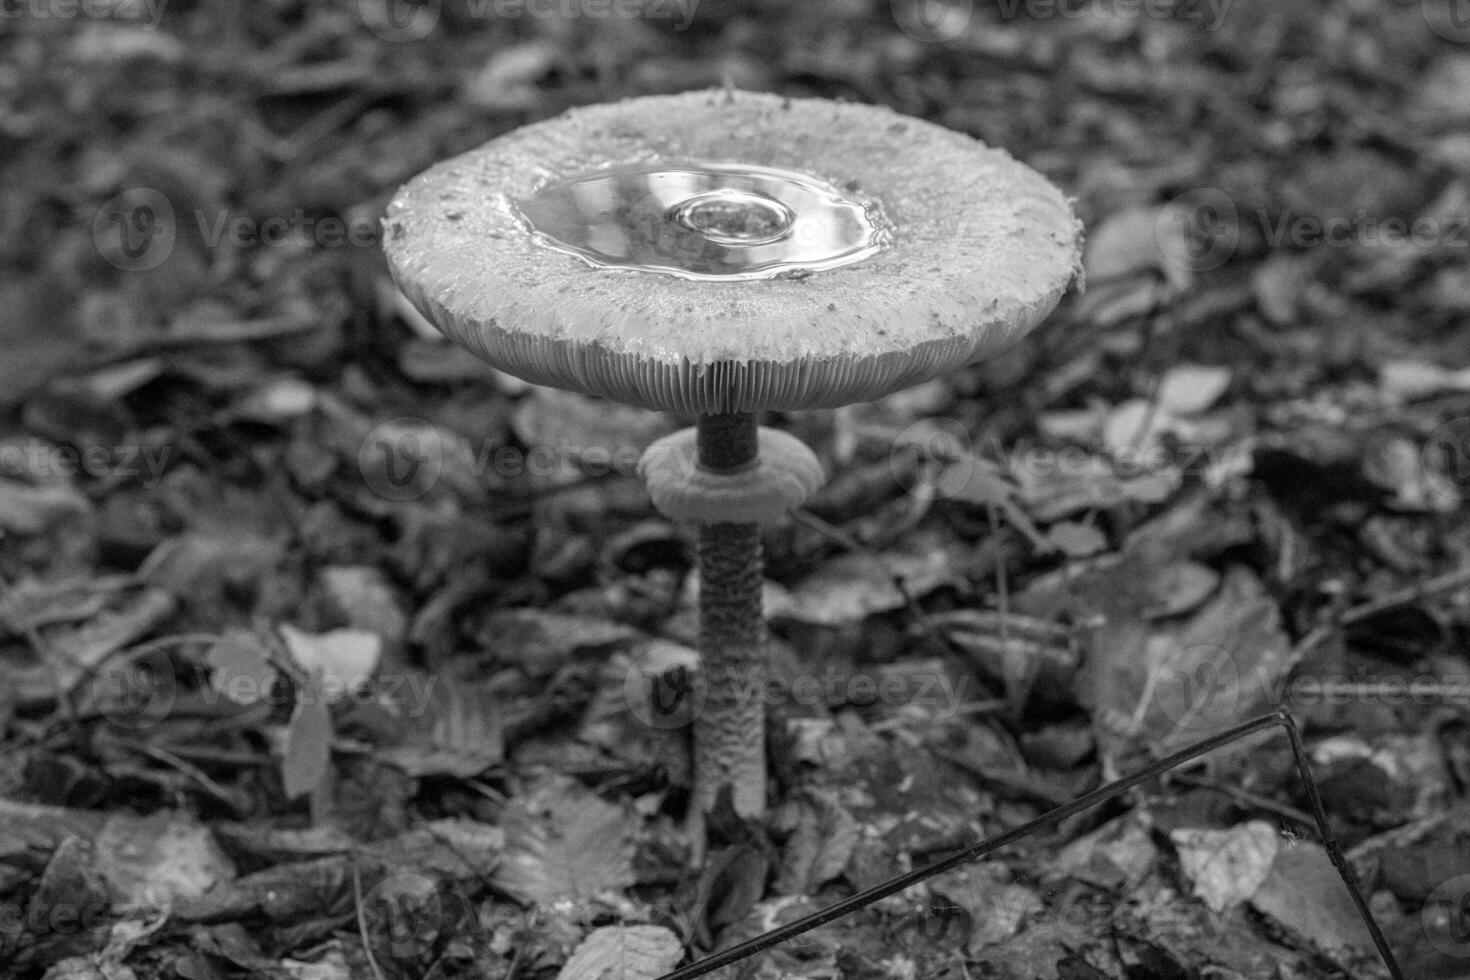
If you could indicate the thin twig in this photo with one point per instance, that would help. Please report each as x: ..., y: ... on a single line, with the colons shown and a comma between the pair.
x: 188, y: 769
x: 852, y: 544
x: 895, y: 885
x: 362, y: 930
x: 1243, y: 796
x: 1018, y: 688
x: 1356, y: 614
x: 1088, y: 800
x: 1403, y: 597
x: 1329, y: 842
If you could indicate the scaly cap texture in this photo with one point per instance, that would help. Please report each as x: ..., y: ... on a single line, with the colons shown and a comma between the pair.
x: 982, y: 249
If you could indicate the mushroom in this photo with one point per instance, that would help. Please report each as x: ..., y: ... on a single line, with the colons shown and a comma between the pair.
x: 718, y: 254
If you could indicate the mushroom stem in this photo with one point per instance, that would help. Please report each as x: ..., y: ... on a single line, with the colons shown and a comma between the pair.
x: 730, y: 732
x: 727, y: 442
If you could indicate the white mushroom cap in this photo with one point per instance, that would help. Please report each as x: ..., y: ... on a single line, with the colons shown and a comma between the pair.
x: 981, y: 249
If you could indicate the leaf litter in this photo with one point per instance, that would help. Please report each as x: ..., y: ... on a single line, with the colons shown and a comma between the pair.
x: 256, y: 709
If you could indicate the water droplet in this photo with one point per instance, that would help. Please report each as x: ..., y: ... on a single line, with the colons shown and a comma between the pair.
x: 711, y: 221
x: 732, y: 217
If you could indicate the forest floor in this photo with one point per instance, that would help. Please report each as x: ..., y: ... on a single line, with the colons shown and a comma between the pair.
x: 268, y: 712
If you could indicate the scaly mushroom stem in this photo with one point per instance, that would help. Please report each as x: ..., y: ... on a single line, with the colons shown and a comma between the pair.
x: 730, y: 731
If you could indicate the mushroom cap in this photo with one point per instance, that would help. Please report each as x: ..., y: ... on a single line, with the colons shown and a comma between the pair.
x: 783, y: 476
x: 979, y: 249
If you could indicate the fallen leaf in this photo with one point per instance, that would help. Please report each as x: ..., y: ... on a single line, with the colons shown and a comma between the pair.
x: 563, y: 842
x: 1077, y: 540
x: 308, y: 746
x: 453, y: 847
x: 38, y: 332
x: 1443, y: 93
x: 1304, y: 893
x: 624, y: 953
x: 1227, y: 866
x: 362, y: 596
x: 851, y: 587
x: 71, y: 889
x: 1409, y: 380
x: 196, y: 566
x: 541, y: 642
x: 152, y: 861
x: 31, y: 603
x: 563, y: 432
x: 454, y: 728
x: 996, y: 907
x: 1119, y: 854
x: 343, y: 660
x: 1133, y: 428
x: 1127, y: 254
x: 1180, y: 586
x: 1397, y: 465
x: 820, y: 847
x: 1169, y: 685
x: 76, y: 653
x: 29, y: 510
x: 274, y: 402
x: 240, y: 668
x: 508, y: 80
x: 1091, y: 482
x: 1188, y: 389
